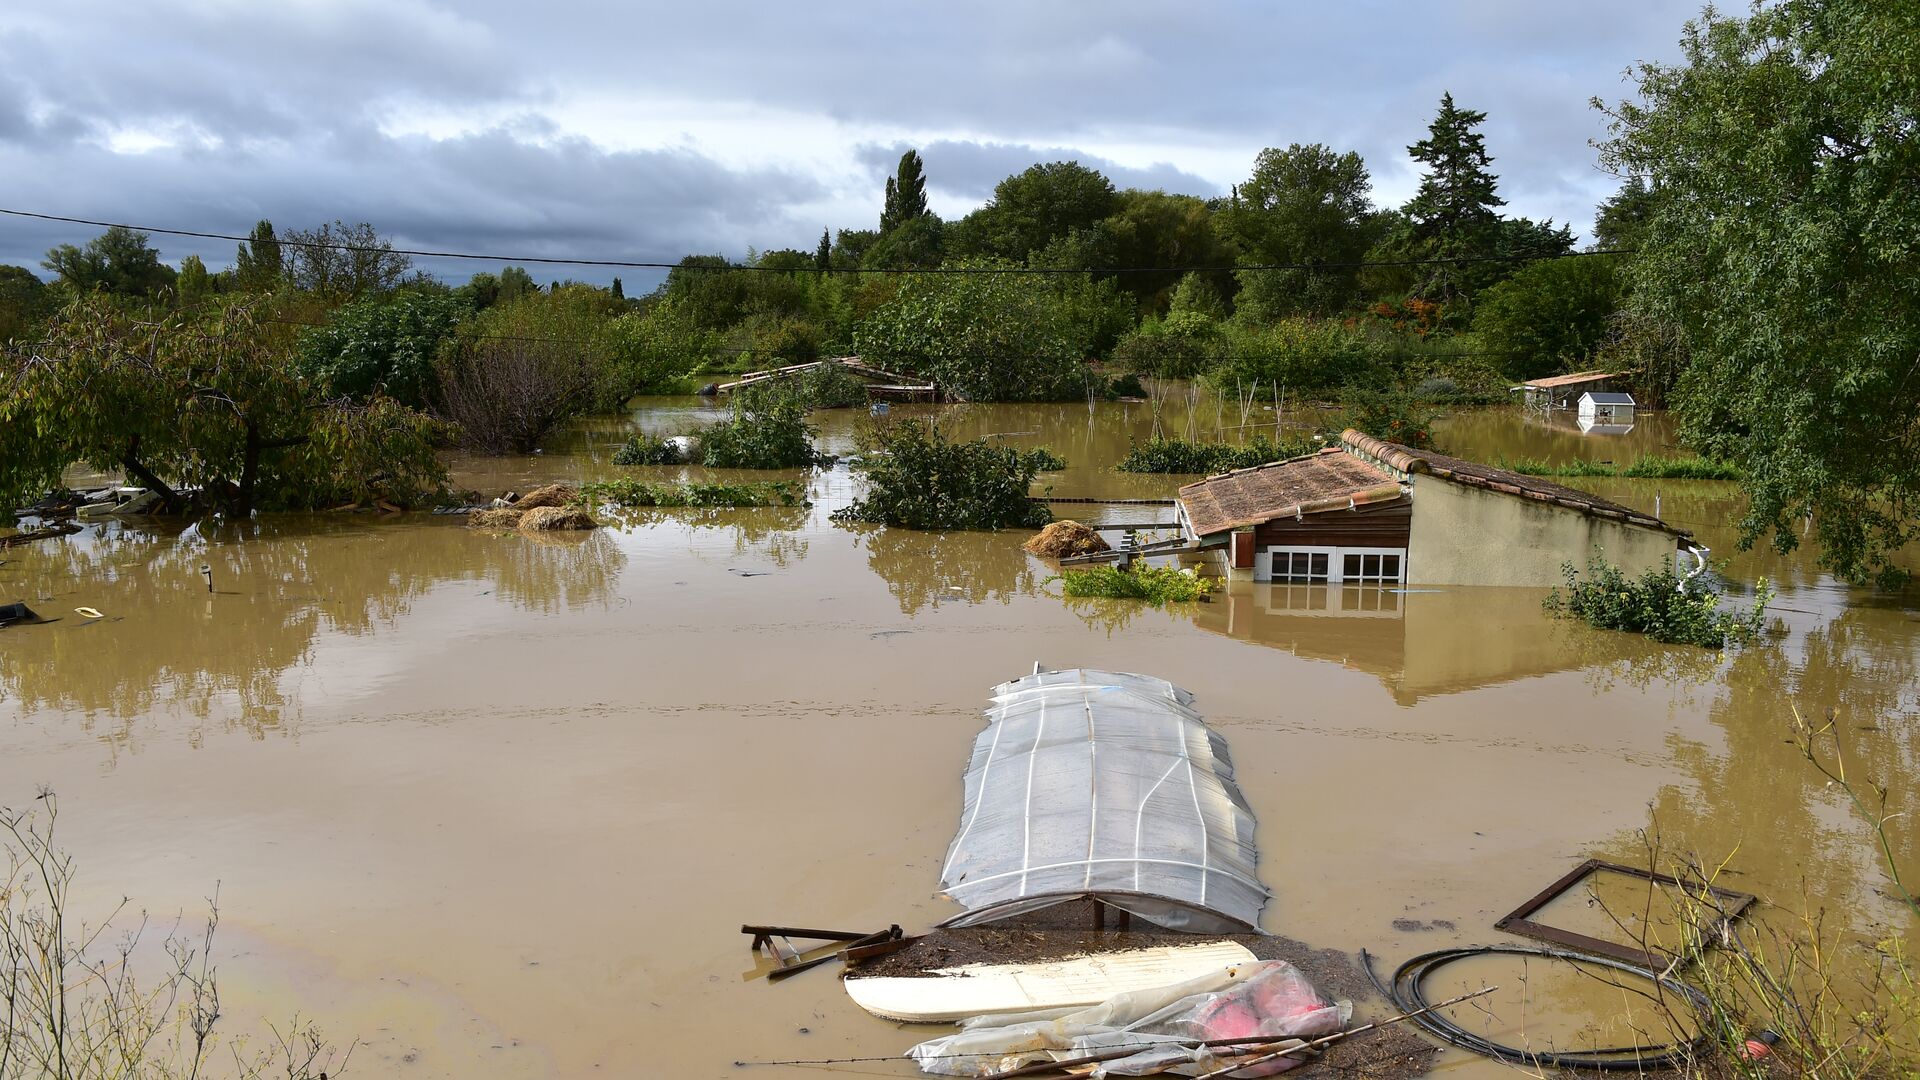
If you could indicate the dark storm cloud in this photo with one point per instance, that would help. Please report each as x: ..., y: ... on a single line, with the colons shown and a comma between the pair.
x: 214, y: 113
x: 969, y: 170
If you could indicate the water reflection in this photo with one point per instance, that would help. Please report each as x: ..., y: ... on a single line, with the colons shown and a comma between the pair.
x: 924, y: 569
x: 167, y: 643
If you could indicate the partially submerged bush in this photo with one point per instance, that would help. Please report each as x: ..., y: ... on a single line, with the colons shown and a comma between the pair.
x: 828, y: 386
x: 1154, y: 584
x: 1651, y: 467
x: 768, y: 434
x: 646, y: 450
x: 634, y: 493
x: 919, y: 479
x: 1179, y: 456
x: 1396, y: 415
x: 1658, y: 605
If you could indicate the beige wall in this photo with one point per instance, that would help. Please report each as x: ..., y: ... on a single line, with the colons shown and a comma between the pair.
x: 1466, y: 536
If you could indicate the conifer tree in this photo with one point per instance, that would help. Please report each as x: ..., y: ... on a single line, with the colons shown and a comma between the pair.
x: 259, y: 264
x: 823, y: 255
x: 906, y: 194
x: 1453, y: 213
x: 619, y: 290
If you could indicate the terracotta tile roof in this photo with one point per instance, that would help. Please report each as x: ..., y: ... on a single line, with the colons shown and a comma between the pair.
x: 1329, y: 480
x: 1407, y: 460
x: 1574, y: 379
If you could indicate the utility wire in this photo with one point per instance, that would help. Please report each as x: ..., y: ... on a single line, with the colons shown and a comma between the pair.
x: 958, y: 270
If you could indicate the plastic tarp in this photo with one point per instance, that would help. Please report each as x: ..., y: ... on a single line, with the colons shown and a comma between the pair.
x: 1107, y: 785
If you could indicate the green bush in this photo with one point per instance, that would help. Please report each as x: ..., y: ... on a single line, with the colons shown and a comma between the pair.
x: 1179, y: 456
x: 1651, y: 467
x: 1154, y: 584
x: 383, y: 344
x: 829, y: 386
x: 919, y: 479
x: 634, y: 493
x: 1396, y: 415
x: 1658, y: 605
x: 642, y: 450
x: 767, y: 433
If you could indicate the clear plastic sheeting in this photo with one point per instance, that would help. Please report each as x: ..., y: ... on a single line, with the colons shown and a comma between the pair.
x: 1161, y: 1027
x: 1106, y: 785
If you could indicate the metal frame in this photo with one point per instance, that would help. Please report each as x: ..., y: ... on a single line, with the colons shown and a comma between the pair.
x: 1520, y: 920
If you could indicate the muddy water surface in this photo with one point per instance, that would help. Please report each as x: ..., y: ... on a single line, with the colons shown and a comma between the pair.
x: 497, y: 806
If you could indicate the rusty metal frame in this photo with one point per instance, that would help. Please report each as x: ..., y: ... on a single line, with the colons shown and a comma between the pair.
x: 1520, y: 920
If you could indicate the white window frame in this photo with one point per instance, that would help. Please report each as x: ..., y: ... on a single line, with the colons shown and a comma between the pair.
x: 1336, y: 564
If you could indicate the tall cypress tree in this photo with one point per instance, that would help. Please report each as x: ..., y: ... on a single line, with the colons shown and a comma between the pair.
x: 906, y: 193
x: 1453, y: 213
x: 259, y: 263
x: 823, y: 255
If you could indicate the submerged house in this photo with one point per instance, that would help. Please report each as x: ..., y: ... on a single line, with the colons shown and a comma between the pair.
x: 1603, y: 407
x: 1369, y: 511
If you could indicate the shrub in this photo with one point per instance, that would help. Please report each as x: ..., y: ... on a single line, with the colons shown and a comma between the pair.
x: 522, y: 368
x: 1658, y: 605
x: 643, y: 450
x: 1651, y: 467
x: 829, y: 386
x: 918, y: 479
x: 649, y: 351
x: 1302, y: 355
x: 384, y: 344
x: 1179, y: 456
x: 634, y: 493
x: 1395, y: 415
x: 770, y: 433
x: 1180, y: 346
x: 1154, y: 584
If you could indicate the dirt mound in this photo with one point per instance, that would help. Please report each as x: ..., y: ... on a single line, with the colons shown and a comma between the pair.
x: 550, y: 518
x: 505, y: 517
x: 1063, y: 538
x: 551, y: 495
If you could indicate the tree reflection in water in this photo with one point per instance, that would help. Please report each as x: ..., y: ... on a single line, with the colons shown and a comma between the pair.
x: 926, y: 569
x: 166, y: 643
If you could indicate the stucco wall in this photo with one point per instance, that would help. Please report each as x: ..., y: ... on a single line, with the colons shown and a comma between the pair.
x: 1466, y: 536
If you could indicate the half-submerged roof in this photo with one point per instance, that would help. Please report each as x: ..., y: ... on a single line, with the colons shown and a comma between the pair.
x: 1575, y: 379
x: 1328, y: 480
x: 1108, y: 785
x: 1407, y: 461
x: 1607, y: 397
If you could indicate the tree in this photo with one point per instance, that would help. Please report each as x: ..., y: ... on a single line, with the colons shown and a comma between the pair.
x: 917, y: 243
x: 258, y: 264
x: 1046, y: 201
x: 1304, y: 204
x: 521, y: 368
x: 1453, y: 213
x: 383, y: 345
x: 118, y: 261
x: 906, y: 198
x: 618, y: 290
x: 207, y: 399
x: 193, y: 284
x: 1549, y: 316
x: 342, y: 261
x: 1153, y: 228
x: 1784, y: 255
x: 24, y: 301
x: 1622, y: 219
x: 823, y: 255
x: 982, y: 337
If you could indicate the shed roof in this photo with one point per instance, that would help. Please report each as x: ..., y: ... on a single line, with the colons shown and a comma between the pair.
x: 1103, y: 784
x: 1607, y: 398
x: 1328, y: 480
x: 1574, y: 379
x: 1473, y: 474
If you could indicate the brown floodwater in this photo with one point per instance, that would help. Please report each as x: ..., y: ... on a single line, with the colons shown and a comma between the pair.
x: 497, y: 805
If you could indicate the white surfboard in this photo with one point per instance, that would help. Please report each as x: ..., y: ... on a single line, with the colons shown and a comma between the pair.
x: 976, y: 989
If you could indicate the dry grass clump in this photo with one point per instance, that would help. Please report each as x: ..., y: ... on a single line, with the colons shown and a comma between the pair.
x: 1064, y: 538
x: 555, y: 518
x: 504, y: 517
x: 550, y: 495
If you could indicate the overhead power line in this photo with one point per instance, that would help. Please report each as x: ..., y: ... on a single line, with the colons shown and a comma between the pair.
x: 641, y: 264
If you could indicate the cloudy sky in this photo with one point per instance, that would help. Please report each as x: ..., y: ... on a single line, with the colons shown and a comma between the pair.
x: 645, y: 131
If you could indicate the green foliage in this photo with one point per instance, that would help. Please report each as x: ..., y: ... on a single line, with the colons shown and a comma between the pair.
x: 920, y: 241
x: 1621, y: 223
x: 648, y: 350
x: 1658, y: 605
x: 258, y: 264
x: 1781, y: 257
x: 383, y: 345
x: 1302, y: 204
x: 209, y: 399
x: 1549, y: 316
x: 919, y: 479
x: 118, y: 261
x: 517, y: 370
x: 1301, y: 355
x: 341, y: 261
x: 25, y: 302
x: 1651, y: 467
x: 1183, y: 345
x: 1394, y: 414
x: 1044, y: 203
x: 642, y: 450
x: 982, y: 337
x: 1179, y: 456
x: 1453, y: 213
x: 765, y: 433
x: 1154, y: 228
x: 906, y: 195
x: 1154, y: 584
x: 634, y: 493
x: 1046, y: 460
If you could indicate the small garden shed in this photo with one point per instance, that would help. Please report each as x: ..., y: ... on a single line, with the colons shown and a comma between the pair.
x: 1605, y: 407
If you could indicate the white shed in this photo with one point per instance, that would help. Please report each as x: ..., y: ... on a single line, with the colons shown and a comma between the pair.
x: 1605, y: 408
